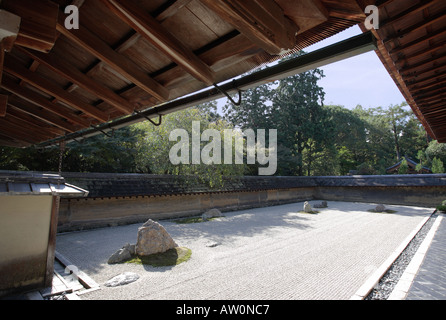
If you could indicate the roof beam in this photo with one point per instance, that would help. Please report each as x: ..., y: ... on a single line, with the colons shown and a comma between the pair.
x: 153, y: 31
x: 27, y: 126
x: 434, y: 85
x: 337, y: 52
x: 412, y: 10
x: 416, y: 84
x: 37, y: 99
x: 411, y: 68
x: 263, y: 22
x: 27, y: 119
x: 422, y: 52
x: 172, y: 9
x: 83, y: 81
x: 423, y: 24
x: 98, y: 48
x: 13, y: 67
x: 38, y: 22
x: 428, y: 37
x: 14, y: 102
x: 13, y: 130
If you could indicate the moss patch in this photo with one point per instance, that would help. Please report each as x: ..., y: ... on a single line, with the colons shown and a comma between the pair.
x: 311, y: 212
x: 171, y: 257
x: 385, y: 211
x: 193, y: 220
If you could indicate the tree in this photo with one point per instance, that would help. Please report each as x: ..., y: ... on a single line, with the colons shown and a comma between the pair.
x: 349, y: 139
x: 436, y: 150
x: 116, y: 153
x: 377, y: 147
x: 293, y: 106
x: 404, y: 168
x: 398, y: 118
x: 155, y: 146
x: 437, y: 166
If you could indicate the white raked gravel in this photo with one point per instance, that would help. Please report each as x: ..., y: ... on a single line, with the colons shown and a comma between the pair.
x: 265, y: 253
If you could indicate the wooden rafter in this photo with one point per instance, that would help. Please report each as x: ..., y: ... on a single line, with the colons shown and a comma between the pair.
x: 408, y: 12
x: 411, y: 68
x: 98, y: 48
x: 78, y: 78
x: 153, y: 31
x: 38, y: 22
x: 423, y: 24
x: 37, y: 99
x: 428, y: 37
x: 29, y: 120
x: 13, y: 67
x: 7, y: 127
x: 422, y: 52
x: 263, y: 22
x: 46, y: 116
x: 36, y: 130
x: 172, y: 9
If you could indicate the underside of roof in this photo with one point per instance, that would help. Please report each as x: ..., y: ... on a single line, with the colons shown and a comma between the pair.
x: 130, y: 56
x: 412, y: 46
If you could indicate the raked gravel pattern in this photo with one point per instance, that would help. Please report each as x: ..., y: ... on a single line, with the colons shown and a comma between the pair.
x: 266, y: 253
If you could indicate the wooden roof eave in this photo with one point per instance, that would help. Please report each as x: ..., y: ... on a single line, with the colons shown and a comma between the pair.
x: 73, y: 93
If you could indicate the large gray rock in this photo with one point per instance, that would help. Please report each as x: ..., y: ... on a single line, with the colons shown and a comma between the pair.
x: 307, y: 207
x: 213, y: 213
x: 323, y: 204
x: 380, y: 208
x: 123, y: 254
x: 153, y: 238
x: 122, y: 279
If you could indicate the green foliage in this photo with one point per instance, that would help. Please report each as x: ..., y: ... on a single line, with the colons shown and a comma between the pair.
x: 404, y: 168
x: 436, y: 150
x: 437, y: 166
x: 293, y: 106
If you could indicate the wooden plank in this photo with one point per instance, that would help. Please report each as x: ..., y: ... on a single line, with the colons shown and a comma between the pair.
x: 3, y: 104
x: 17, y: 132
x: 37, y: 99
x: 98, y: 48
x: 421, y: 53
x: 13, y: 67
x: 35, y: 129
x: 412, y: 10
x: 423, y: 24
x: 172, y: 9
x: 232, y: 51
x: 153, y: 31
x: 41, y: 114
x: 83, y: 81
x: 38, y: 25
x: 262, y: 22
x: 428, y: 37
x: 12, y: 142
x: 27, y: 119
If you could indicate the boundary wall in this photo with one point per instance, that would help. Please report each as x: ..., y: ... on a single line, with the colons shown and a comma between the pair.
x: 118, y: 199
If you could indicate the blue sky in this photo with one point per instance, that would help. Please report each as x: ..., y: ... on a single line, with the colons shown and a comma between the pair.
x: 359, y: 80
